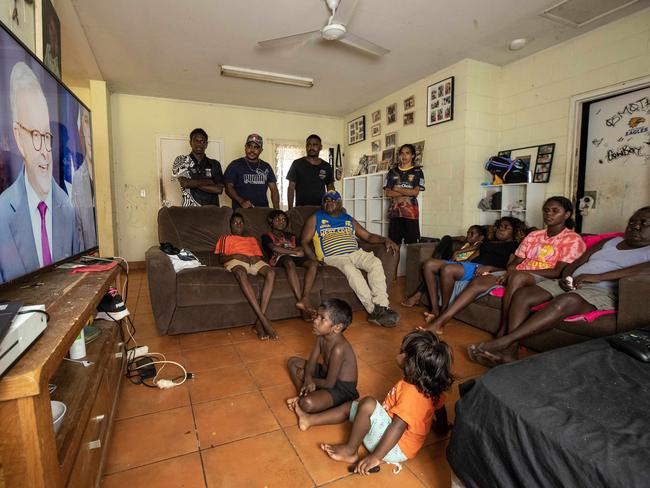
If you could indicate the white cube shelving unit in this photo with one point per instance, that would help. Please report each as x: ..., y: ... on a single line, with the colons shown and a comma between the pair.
x: 521, y: 200
x: 363, y: 198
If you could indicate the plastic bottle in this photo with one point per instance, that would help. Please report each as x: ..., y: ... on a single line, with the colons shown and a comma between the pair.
x: 78, y: 349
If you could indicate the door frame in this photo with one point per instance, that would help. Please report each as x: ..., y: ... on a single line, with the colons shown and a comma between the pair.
x: 576, y: 106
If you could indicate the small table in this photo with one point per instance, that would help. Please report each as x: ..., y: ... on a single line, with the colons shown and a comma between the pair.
x: 576, y: 416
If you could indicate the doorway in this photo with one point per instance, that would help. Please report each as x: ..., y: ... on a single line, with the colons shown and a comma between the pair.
x: 614, y: 160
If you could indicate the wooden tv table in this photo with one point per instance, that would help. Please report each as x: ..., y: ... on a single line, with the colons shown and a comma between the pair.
x: 31, y: 455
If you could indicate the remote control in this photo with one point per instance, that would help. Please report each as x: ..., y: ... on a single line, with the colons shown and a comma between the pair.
x: 636, y: 343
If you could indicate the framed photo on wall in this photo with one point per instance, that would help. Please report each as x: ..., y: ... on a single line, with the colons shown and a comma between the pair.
x: 543, y: 164
x: 409, y: 118
x: 357, y: 130
x: 375, y: 146
x: 391, y: 113
x: 51, y: 39
x: 375, y: 130
x: 391, y: 140
x: 409, y: 103
x: 388, y: 156
x: 440, y: 102
x: 376, y: 116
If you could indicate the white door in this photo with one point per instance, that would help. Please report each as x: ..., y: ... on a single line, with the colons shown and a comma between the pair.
x: 617, y: 161
x: 168, y: 149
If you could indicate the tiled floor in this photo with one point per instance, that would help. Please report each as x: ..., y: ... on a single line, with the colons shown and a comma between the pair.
x: 229, y: 427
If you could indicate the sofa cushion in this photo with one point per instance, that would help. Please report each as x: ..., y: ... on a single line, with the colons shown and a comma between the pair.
x: 208, y: 285
x: 298, y: 216
x: 193, y: 228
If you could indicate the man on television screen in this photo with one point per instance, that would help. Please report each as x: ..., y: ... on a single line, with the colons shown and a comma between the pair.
x: 37, y: 221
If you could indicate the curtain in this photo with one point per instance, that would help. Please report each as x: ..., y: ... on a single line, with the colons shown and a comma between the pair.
x: 285, y: 154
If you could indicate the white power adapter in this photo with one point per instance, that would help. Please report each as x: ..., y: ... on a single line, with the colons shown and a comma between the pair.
x: 164, y: 384
x: 139, y: 351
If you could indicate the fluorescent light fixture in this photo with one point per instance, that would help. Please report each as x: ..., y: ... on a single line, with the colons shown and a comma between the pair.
x: 253, y: 74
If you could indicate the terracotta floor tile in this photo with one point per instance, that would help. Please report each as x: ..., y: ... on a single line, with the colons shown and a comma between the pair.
x: 270, y: 372
x: 293, y: 327
x: 390, y: 370
x: 276, y: 397
x: 375, y: 351
x: 244, y: 333
x: 373, y: 384
x: 139, y: 400
x: 299, y: 345
x: 219, y: 383
x: 233, y: 418
x: 267, y: 460
x: 144, y: 327
x: 201, y: 340
x: 150, y: 438
x: 184, y: 471
x: 197, y: 360
x: 384, y: 479
x: 462, y: 367
x: 164, y: 344
x: 321, y: 468
x: 260, y: 350
x: 430, y: 466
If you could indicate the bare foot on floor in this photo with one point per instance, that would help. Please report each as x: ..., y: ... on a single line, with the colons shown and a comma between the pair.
x: 259, y: 331
x: 340, y: 452
x: 411, y: 301
x: 303, y: 417
x: 292, y: 402
x: 307, y: 312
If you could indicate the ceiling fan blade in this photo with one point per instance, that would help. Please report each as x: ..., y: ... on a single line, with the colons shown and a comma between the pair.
x: 344, y: 12
x: 363, y: 44
x: 287, y: 40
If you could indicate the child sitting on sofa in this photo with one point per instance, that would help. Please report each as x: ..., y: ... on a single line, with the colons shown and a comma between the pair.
x: 395, y: 430
x: 242, y: 256
x: 542, y: 255
x: 334, y: 381
x: 442, y: 256
x: 593, y: 286
x: 282, y: 249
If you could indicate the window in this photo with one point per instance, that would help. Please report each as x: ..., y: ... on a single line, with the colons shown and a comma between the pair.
x: 286, y: 153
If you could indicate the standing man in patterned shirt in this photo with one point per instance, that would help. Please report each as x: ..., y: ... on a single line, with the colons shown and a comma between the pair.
x: 200, y: 177
x: 403, y: 184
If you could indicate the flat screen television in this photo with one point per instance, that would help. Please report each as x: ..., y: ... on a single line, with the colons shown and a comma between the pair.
x: 47, y: 193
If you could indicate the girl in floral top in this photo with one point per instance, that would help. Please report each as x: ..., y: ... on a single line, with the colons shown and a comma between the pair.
x: 542, y: 255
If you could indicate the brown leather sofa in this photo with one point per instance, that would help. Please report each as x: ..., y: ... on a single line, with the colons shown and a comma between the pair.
x: 209, y: 297
x: 485, y: 313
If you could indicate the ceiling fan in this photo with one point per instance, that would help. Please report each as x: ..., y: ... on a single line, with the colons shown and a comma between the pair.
x: 334, y: 30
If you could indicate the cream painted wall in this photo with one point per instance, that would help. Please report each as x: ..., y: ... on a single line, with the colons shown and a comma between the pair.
x: 454, y: 151
x: 138, y: 121
x: 535, y: 92
x: 521, y: 104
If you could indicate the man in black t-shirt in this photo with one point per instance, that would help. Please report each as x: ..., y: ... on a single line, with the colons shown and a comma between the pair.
x: 309, y: 177
x: 200, y: 177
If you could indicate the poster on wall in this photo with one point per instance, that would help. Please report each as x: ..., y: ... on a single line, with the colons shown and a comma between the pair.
x: 51, y: 39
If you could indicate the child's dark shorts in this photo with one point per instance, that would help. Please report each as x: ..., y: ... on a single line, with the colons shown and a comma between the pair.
x: 343, y: 391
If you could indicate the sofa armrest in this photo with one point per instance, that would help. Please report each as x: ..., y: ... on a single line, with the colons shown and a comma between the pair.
x: 633, y: 303
x: 416, y: 254
x: 388, y: 260
x: 162, y: 287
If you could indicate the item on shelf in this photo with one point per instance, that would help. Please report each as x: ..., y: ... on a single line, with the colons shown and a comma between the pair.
x: 91, y: 333
x: 58, y: 412
x: 506, y: 170
x: 112, y: 306
x: 517, y: 206
x: 78, y: 348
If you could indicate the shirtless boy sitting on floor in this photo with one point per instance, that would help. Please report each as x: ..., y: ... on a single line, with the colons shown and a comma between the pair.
x: 334, y: 381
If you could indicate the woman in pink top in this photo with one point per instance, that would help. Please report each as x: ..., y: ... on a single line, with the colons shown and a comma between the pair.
x: 542, y: 255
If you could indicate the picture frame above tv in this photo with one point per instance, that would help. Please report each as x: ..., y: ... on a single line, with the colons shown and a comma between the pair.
x: 47, y: 184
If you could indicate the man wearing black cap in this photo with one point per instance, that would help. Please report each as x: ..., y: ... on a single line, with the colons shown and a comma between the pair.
x: 200, y: 177
x: 309, y: 176
x: 334, y: 234
x: 248, y: 178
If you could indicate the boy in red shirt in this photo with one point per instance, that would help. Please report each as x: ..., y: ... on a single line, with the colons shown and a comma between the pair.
x: 241, y: 255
